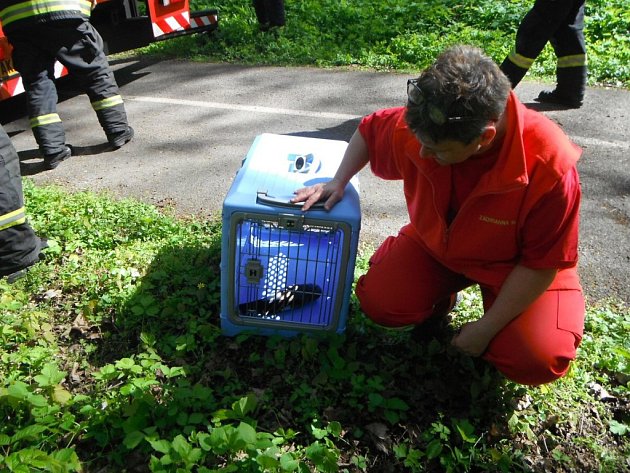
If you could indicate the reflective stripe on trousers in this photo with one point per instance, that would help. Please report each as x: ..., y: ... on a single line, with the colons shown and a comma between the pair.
x: 45, y: 120
x: 17, y: 217
x: 107, y: 103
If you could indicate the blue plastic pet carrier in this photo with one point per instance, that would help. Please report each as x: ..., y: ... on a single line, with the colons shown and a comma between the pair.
x: 285, y: 271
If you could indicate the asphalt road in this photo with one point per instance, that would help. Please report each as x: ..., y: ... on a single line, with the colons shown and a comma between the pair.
x: 195, y: 122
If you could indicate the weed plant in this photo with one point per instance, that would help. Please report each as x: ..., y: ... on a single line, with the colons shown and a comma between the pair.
x: 111, y: 359
x: 398, y: 35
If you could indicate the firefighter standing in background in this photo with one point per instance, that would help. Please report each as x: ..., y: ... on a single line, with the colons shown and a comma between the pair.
x: 41, y: 31
x: 270, y: 13
x: 560, y: 22
x: 20, y: 248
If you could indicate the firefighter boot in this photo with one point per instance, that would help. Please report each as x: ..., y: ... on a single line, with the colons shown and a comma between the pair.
x: 113, y: 120
x: 17, y: 273
x: 120, y: 138
x: 512, y: 71
x: 569, y: 91
x: 51, y: 161
x: 51, y: 139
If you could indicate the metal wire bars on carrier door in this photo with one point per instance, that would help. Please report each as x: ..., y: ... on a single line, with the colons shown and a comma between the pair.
x: 288, y: 272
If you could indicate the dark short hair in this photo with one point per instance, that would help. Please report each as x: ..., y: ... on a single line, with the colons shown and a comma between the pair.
x: 462, y: 82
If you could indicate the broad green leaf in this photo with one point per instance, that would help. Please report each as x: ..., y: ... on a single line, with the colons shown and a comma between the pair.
x: 30, y: 432
x: 219, y: 438
x: 247, y: 434
x: 398, y: 404
x: 181, y: 446
x: 318, y: 433
x: 61, y: 395
x: 222, y: 414
x: 334, y: 428
x: 68, y: 458
x: 195, y: 455
x: 392, y: 417
x: 52, y: 372
x: 162, y: 446
x: 466, y: 430
x: 267, y: 463
x: 196, y: 418
x: 619, y: 428
x: 133, y: 439
x: 166, y: 460
x: 400, y: 450
x: 38, y: 400
x: 288, y: 462
x: 125, y: 363
x: 205, y: 441
x: 244, y: 405
x: 434, y: 449
x: 376, y: 400
x: 18, y: 390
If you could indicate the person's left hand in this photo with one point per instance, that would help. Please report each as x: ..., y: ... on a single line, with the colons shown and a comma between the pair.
x: 472, y: 339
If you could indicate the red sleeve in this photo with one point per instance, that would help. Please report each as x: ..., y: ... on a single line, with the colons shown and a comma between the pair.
x: 377, y: 130
x: 550, y: 238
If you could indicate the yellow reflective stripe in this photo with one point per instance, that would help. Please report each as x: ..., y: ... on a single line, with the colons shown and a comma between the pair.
x: 28, y: 9
x: 11, y: 219
x: 108, y: 102
x: 45, y: 120
x: 577, y: 60
x: 521, y: 61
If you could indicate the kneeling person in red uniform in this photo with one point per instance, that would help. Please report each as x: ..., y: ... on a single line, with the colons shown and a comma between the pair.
x: 493, y: 196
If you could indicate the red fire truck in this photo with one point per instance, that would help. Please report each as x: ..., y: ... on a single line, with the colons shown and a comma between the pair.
x: 124, y: 25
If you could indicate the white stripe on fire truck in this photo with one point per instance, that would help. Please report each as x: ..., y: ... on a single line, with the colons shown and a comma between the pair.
x: 169, y: 24
x: 157, y: 32
x: 13, y: 87
x: 204, y: 20
x: 19, y: 87
x: 177, y: 22
x: 60, y: 69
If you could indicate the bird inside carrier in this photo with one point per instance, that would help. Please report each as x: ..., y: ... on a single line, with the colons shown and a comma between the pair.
x: 288, y: 272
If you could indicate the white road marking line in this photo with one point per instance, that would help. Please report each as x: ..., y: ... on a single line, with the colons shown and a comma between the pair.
x: 580, y: 140
x: 586, y: 141
x: 244, y: 108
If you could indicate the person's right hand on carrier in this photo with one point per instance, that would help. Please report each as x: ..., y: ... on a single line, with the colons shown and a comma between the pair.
x: 329, y: 192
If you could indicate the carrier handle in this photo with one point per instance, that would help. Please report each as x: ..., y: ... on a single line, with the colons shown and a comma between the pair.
x: 263, y: 198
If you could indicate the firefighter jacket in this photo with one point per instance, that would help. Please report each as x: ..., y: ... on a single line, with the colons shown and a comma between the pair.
x: 16, y: 14
x: 483, y: 241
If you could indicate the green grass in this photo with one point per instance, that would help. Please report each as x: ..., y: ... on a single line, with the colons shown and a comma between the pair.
x: 398, y: 35
x: 111, y: 359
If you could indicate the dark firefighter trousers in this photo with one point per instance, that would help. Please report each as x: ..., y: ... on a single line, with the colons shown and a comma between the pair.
x: 19, y: 246
x: 560, y: 22
x: 78, y: 46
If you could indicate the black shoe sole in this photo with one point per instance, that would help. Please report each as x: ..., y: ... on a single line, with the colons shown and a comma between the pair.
x: 51, y: 162
x: 122, y: 140
x: 551, y: 98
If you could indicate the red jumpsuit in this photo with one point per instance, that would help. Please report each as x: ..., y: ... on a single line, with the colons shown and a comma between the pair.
x: 472, y: 223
